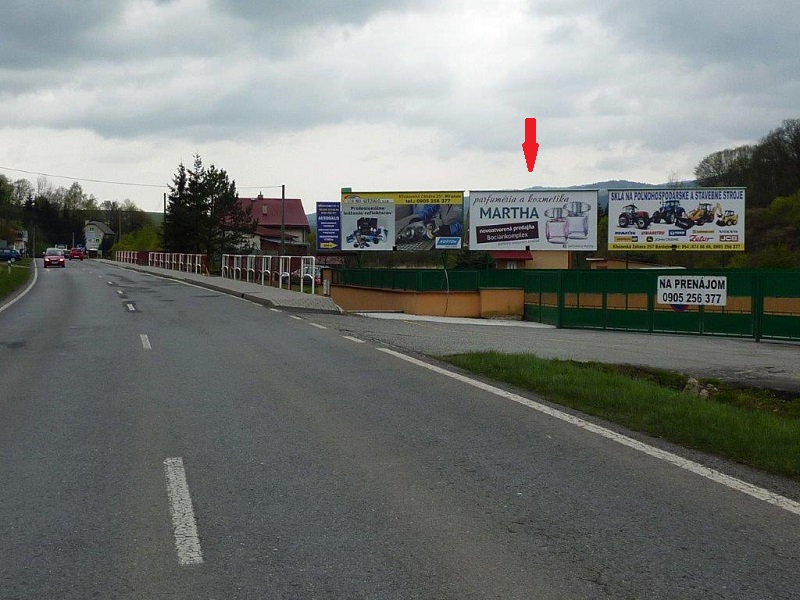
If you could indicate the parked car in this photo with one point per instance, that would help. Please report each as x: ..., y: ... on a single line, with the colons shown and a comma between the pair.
x: 54, y: 257
x: 76, y: 253
x: 9, y: 255
x: 307, y: 277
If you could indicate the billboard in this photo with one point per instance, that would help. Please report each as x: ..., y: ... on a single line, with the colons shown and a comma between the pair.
x: 402, y: 220
x: 676, y: 219
x: 533, y: 220
x: 329, y: 226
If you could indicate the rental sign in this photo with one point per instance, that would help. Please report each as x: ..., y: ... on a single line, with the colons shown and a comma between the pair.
x: 694, y: 290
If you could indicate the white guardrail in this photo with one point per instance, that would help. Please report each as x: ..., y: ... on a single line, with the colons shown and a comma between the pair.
x: 190, y: 263
x: 270, y: 270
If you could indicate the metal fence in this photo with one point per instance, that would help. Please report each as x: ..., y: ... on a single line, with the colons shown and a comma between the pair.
x: 278, y: 271
x: 190, y: 263
x: 762, y: 304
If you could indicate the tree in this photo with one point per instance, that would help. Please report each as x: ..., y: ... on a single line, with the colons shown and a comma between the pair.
x: 230, y: 226
x: 145, y: 237
x: 768, y: 169
x: 474, y: 260
x: 204, y: 215
x: 730, y: 167
x: 8, y: 206
x: 178, y: 234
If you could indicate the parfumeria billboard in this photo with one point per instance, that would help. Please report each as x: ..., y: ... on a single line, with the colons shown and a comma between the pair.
x: 533, y: 220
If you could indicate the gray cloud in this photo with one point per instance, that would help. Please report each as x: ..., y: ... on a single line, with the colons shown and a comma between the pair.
x: 276, y: 14
x: 597, y: 76
x: 38, y: 33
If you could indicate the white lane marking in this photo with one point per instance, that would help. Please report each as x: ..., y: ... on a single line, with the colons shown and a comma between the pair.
x: 318, y: 326
x: 184, y: 525
x: 25, y: 291
x: 296, y: 318
x: 110, y: 282
x: 678, y: 461
x: 353, y: 339
x: 276, y: 310
x: 131, y: 307
x: 145, y: 341
x: 120, y: 292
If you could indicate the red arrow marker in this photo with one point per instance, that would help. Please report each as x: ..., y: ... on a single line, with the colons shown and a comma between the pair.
x: 529, y: 147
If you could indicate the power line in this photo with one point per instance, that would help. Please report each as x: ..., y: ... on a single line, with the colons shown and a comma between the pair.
x: 82, y: 178
x: 128, y: 183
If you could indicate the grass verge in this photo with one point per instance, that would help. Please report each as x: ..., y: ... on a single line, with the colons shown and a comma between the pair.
x: 744, y: 429
x: 11, y: 282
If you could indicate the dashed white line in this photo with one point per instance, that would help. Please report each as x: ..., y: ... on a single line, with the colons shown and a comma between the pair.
x: 145, y: 341
x: 184, y: 525
x: 276, y: 310
x: 353, y: 339
x: 120, y: 292
x: 318, y: 326
x: 131, y: 307
x: 684, y: 463
x: 296, y: 318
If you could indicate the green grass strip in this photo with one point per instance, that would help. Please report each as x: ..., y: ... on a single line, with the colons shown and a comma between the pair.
x: 10, y: 282
x: 759, y: 439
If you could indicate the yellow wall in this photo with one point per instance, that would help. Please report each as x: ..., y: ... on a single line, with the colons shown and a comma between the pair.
x: 558, y: 259
x: 483, y: 303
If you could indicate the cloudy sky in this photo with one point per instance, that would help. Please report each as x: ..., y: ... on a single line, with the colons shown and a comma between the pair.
x: 385, y: 94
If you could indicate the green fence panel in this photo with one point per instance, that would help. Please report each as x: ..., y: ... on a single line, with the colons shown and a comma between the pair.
x: 727, y: 324
x: 676, y: 322
x: 503, y: 278
x: 577, y: 318
x: 761, y: 303
x: 781, y: 283
x: 538, y: 313
x: 780, y: 327
x: 433, y: 281
x: 538, y: 282
x: 627, y: 320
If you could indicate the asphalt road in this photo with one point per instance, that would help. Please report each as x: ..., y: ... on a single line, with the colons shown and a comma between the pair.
x: 318, y: 465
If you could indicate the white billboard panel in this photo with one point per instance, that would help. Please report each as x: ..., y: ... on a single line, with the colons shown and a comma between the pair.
x: 533, y: 220
x: 676, y: 219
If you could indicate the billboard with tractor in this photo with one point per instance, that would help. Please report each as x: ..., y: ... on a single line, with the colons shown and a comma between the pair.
x: 676, y: 219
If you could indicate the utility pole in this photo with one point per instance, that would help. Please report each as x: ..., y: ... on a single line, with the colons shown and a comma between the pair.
x: 164, y: 223
x: 283, y: 220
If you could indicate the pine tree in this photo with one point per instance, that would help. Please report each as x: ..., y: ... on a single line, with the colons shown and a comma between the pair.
x: 203, y: 214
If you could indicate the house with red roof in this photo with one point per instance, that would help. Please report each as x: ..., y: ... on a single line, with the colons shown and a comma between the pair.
x: 523, y: 259
x: 282, y: 224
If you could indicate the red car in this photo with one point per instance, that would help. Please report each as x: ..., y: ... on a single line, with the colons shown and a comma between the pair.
x: 76, y: 253
x: 54, y: 257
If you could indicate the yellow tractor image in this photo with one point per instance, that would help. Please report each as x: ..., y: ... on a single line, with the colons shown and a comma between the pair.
x: 727, y: 219
x: 703, y: 214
